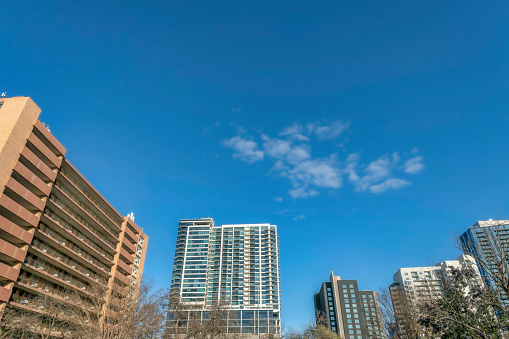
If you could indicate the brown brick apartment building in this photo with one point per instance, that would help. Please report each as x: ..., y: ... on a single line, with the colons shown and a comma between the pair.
x: 57, y: 233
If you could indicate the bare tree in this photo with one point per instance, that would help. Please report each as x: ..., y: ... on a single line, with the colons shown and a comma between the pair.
x: 401, y: 312
x: 178, y: 314
x: 121, y: 313
x: 17, y: 322
x: 318, y: 330
x: 44, y: 316
x: 388, y: 314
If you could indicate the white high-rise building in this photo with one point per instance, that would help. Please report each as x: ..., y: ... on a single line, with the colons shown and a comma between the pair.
x: 235, y: 265
x: 416, y: 284
x: 424, y: 281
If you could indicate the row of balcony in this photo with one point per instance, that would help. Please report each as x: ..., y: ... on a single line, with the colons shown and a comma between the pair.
x: 54, y: 218
x: 83, y: 217
x: 97, y: 203
x: 51, y: 252
x: 73, y: 250
x: 85, y: 207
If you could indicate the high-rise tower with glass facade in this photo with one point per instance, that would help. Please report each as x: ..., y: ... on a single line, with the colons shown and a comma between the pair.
x: 236, y: 266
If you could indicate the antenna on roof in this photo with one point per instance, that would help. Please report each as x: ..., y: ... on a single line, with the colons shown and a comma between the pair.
x: 4, y: 94
x: 131, y: 216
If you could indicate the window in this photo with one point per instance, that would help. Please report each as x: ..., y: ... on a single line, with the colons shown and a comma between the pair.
x: 135, y: 270
x: 137, y: 260
x: 139, y: 250
x: 141, y: 240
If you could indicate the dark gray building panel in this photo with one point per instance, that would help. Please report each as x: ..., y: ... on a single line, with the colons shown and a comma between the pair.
x: 350, y: 313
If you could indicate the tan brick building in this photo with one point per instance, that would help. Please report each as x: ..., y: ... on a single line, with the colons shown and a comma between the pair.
x: 57, y: 233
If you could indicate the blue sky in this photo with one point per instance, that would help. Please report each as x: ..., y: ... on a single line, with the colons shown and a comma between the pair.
x: 368, y: 132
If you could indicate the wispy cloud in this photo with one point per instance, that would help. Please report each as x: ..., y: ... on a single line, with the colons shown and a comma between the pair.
x: 244, y: 149
x: 329, y: 131
x: 414, y: 165
x: 291, y: 153
x: 278, y: 199
x: 388, y: 184
x: 216, y: 124
x: 298, y: 217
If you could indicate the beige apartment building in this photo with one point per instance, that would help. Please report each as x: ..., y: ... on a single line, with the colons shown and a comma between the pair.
x: 57, y: 233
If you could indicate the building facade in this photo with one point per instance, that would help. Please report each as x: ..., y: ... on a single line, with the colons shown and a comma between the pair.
x: 236, y: 266
x: 416, y: 284
x: 488, y: 240
x: 348, y: 312
x: 58, y: 235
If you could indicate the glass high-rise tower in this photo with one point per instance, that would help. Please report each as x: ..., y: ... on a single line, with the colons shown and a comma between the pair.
x: 233, y: 265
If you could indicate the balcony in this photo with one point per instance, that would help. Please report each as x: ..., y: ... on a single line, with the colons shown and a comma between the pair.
x: 70, y: 219
x: 9, y: 273
x: 128, y: 246
x: 73, y: 235
x: 5, y: 294
x: 123, y: 266
x: 129, y: 259
x: 22, y: 171
x: 130, y: 234
x: 12, y: 251
x: 55, y: 161
x: 41, y: 129
x: 36, y: 165
x: 18, y: 213
x: 23, y: 196
x: 14, y: 233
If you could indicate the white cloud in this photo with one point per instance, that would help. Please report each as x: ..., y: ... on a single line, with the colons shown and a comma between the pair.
x: 216, y: 124
x: 293, y: 129
x: 389, y: 184
x: 302, y: 192
x: 328, y: 131
x: 414, y: 165
x: 351, y: 163
x: 244, y: 149
x: 298, y: 154
x: 378, y: 175
x: 375, y: 172
x: 291, y: 153
x: 414, y: 150
x: 295, y: 132
x: 276, y: 148
x: 298, y: 217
